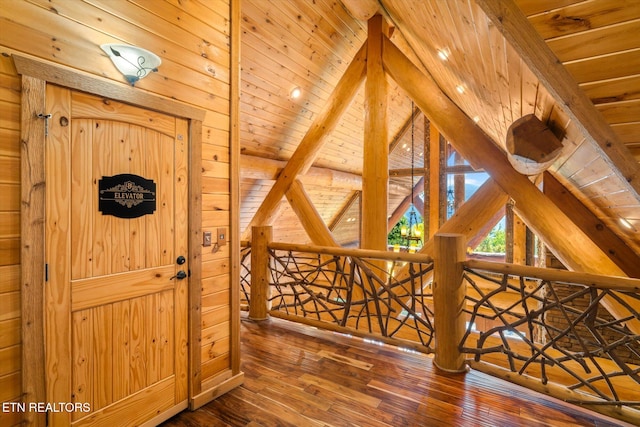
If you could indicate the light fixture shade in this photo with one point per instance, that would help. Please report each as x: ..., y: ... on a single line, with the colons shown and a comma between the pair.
x: 133, y: 62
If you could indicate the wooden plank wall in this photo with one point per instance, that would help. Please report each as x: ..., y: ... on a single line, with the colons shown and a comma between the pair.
x: 193, y: 40
x: 10, y: 340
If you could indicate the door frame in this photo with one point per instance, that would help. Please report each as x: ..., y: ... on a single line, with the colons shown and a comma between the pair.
x: 36, y: 74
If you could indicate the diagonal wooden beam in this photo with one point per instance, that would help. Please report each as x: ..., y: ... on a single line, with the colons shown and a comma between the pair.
x: 533, y: 50
x: 344, y: 210
x: 473, y: 215
x: 550, y: 223
x: 615, y: 247
x: 544, y: 217
x: 310, y: 218
x: 308, y: 149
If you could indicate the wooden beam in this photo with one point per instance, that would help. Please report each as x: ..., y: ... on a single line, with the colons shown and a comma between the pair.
x: 362, y: 10
x: 473, y: 215
x: 531, y: 145
x: 484, y: 231
x: 254, y: 167
x: 375, y: 168
x: 312, y: 142
x: 343, y: 211
x: 311, y: 220
x: 454, y: 169
x: 532, y: 49
x: 544, y: 217
x: 579, y: 253
x: 615, y: 248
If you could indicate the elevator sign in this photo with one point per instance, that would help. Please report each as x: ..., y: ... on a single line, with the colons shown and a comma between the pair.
x: 126, y: 196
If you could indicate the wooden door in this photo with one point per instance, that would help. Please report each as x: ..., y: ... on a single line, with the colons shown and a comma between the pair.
x: 115, y: 300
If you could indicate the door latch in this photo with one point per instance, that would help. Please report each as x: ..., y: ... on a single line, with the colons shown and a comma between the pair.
x: 46, y: 118
x: 180, y: 275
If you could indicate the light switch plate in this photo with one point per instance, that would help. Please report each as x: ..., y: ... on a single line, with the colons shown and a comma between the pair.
x: 206, y: 238
x: 222, y: 236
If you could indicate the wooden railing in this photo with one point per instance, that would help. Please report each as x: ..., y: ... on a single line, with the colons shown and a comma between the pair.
x: 350, y: 291
x: 506, y: 320
x: 548, y: 330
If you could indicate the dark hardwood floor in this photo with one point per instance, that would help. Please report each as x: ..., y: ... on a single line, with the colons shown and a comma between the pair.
x: 300, y: 376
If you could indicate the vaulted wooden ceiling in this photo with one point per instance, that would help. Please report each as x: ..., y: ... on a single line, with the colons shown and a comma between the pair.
x: 495, y: 70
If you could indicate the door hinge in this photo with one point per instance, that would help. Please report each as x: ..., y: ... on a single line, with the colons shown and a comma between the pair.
x: 46, y: 272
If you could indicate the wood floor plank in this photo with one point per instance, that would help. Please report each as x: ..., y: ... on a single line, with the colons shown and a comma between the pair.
x: 344, y: 359
x: 300, y: 376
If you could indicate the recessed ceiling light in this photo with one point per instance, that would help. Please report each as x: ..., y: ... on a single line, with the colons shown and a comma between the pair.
x: 295, y: 93
x: 476, y: 119
x: 460, y: 88
x: 443, y: 54
x: 626, y: 224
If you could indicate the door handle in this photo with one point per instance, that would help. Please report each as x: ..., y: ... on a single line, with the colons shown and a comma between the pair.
x: 180, y: 275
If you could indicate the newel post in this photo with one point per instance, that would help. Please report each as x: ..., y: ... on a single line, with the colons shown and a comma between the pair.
x: 258, y: 303
x: 448, y: 296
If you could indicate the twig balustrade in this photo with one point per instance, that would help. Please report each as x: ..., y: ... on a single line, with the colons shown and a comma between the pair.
x: 501, y: 319
x: 346, y: 290
x: 553, y: 332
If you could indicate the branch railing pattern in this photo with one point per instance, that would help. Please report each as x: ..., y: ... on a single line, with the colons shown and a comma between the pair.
x: 356, y: 293
x: 602, y: 363
x: 591, y: 358
x: 245, y: 274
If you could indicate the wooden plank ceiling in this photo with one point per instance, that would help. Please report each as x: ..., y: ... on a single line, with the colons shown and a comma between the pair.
x: 309, y: 44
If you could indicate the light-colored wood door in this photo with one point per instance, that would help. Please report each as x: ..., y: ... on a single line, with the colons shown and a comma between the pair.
x: 115, y: 307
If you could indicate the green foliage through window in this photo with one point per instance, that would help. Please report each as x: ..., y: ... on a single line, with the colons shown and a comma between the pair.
x: 495, y: 242
x: 395, y: 237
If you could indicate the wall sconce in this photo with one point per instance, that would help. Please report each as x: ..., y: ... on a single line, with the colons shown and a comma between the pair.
x: 133, y: 62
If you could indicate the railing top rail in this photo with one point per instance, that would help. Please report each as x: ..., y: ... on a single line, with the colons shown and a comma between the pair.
x: 555, y: 275
x: 359, y: 253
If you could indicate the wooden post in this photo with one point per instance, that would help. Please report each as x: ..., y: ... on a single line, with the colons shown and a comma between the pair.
x: 32, y: 249
x: 509, y: 232
x: 459, y: 182
x: 448, y: 297
x: 516, y: 237
x: 426, y: 178
x: 259, y: 303
x: 375, y: 169
x: 434, y: 180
